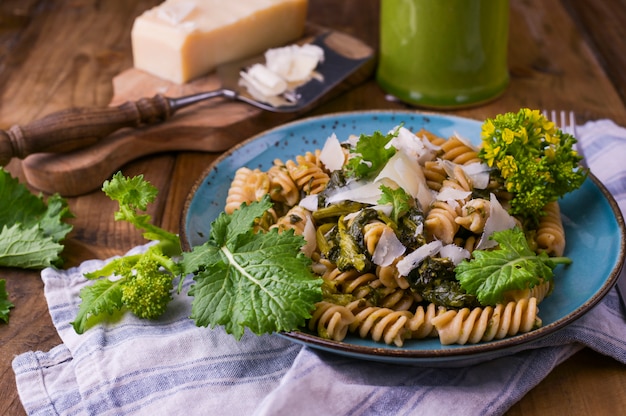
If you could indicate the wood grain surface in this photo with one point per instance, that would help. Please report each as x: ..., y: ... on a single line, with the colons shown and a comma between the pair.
x: 55, y: 54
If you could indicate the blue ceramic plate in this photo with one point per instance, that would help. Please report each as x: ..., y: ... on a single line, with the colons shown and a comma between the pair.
x: 593, y: 224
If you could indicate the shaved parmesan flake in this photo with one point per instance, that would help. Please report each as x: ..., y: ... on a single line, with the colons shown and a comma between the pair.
x: 353, y: 139
x: 332, y: 155
x: 294, y: 63
x: 478, y: 173
x: 412, y: 260
x: 385, y: 209
x: 310, y: 238
x: 416, y: 148
x: 309, y: 202
x: 264, y: 81
x: 388, y: 248
x: 364, y: 192
x: 499, y: 220
x: 455, y: 253
x: 451, y: 194
x: 409, y: 176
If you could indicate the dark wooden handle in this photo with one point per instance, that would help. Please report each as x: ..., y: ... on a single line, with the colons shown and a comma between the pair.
x: 79, y: 127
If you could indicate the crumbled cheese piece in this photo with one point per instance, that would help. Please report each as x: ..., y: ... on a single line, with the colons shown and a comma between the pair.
x: 294, y: 65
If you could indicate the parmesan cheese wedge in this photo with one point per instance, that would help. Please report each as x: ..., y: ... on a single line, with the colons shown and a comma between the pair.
x: 180, y: 40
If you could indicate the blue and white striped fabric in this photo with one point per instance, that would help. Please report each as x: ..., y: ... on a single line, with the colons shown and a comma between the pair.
x: 172, y: 367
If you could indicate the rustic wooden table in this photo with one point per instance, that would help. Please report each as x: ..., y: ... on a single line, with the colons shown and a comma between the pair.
x: 564, y: 54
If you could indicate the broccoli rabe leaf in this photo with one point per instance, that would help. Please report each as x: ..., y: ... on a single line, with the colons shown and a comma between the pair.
x: 261, y: 281
x: 28, y: 248
x: 513, y: 265
x: 104, y: 297
x: 5, y: 303
x: 30, y: 227
x: 370, y: 155
x: 399, y: 200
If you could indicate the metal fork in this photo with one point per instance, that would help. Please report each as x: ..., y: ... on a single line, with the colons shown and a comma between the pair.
x: 566, y: 121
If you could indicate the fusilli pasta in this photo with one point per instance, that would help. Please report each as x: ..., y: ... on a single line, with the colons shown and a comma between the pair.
x: 377, y: 301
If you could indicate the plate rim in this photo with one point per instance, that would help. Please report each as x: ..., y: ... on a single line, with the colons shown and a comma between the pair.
x: 399, y: 353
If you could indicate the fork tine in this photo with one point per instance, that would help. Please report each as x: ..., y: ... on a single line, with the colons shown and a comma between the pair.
x: 572, y: 123
x: 566, y: 121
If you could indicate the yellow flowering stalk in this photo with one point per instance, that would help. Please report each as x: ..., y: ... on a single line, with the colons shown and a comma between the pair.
x: 533, y: 159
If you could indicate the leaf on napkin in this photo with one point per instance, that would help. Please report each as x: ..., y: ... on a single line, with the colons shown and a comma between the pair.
x: 261, y: 281
x: 30, y: 228
x: 103, y: 297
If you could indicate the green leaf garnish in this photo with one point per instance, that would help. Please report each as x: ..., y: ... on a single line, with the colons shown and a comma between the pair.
x: 261, y: 281
x: 370, y: 155
x: 399, y: 199
x: 512, y: 266
x: 30, y: 227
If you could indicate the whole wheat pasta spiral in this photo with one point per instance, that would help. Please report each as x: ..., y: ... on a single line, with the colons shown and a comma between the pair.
x: 295, y: 219
x: 435, y: 174
x: 371, y: 234
x: 379, y: 324
x: 309, y: 177
x: 247, y: 186
x: 474, y: 215
x: 421, y: 323
x: 282, y: 187
x: 351, y: 281
x: 458, y: 180
x: 550, y: 233
x: 485, y: 324
x: 441, y: 221
x: 431, y: 137
x: 390, y: 277
x: 538, y: 292
x: 310, y: 157
x: 468, y: 243
x: 396, y: 298
x: 459, y: 152
x: 331, y: 321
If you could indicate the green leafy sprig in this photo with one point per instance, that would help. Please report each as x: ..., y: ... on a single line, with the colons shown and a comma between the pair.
x: 261, y: 281
x: 141, y: 283
x: 511, y: 266
x: 399, y: 199
x: 370, y: 155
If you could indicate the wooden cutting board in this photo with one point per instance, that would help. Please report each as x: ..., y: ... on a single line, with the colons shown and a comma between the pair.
x: 211, y: 126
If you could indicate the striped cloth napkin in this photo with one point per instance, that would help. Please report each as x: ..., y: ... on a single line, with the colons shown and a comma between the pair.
x: 172, y: 367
